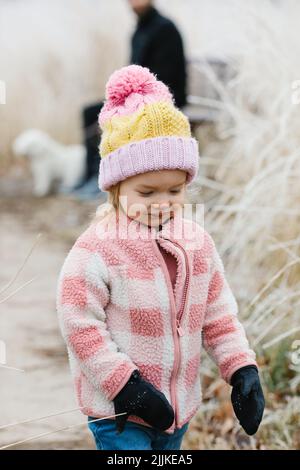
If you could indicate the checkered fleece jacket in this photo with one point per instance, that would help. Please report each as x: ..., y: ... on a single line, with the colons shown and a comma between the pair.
x: 118, y: 312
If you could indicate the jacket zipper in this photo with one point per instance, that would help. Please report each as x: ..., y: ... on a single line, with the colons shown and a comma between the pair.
x: 178, y: 327
x: 182, y: 309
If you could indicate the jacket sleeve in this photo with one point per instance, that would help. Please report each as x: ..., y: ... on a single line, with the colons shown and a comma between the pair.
x: 224, y: 337
x: 82, y: 295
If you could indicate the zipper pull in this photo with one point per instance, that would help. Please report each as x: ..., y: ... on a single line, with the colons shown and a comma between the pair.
x: 180, y: 329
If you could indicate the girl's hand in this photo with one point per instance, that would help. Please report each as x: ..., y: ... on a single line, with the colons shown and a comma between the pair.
x: 247, y: 398
x: 141, y: 398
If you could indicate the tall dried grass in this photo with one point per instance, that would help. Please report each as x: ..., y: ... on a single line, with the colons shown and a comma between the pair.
x: 252, y: 195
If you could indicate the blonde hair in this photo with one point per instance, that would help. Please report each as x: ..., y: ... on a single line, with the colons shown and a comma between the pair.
x: 107, y: 208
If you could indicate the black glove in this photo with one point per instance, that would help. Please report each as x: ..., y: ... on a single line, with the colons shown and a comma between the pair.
x: 140, y: 398
x: 247, y: 398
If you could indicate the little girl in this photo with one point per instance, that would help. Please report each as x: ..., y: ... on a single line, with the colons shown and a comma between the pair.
x: 136, y: 301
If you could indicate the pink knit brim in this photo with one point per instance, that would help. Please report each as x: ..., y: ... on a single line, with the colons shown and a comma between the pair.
x: 155, y: 153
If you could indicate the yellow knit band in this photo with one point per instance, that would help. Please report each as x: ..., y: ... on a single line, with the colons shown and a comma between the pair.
x: 151, y: 120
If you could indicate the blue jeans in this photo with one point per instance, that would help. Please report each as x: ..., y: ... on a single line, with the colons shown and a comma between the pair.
x: 134, y: 436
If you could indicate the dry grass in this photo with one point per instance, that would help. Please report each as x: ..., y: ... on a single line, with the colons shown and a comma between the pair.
x: 252, y: 199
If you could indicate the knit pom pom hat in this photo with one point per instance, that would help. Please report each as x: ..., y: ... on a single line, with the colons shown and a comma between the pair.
x: 142, y: 130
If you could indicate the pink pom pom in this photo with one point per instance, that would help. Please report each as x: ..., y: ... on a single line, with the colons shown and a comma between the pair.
x: 128, y: 80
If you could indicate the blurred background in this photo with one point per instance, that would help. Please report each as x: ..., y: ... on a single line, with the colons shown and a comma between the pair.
x: 239, y: 63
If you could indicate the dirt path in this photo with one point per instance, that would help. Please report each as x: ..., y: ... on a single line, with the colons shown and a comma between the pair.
x: 28, y: 323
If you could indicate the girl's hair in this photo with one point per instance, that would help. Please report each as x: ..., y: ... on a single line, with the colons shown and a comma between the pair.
x: 108, y: 208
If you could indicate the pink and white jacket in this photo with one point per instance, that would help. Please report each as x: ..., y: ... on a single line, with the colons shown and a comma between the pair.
x: 118, y: 312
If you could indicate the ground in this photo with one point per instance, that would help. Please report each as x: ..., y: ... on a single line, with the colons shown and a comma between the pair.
x: 28, y: 322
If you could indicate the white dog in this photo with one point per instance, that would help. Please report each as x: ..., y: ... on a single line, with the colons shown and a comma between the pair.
x: 50, y: 161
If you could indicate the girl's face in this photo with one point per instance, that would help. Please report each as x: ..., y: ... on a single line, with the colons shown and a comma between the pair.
x: 153, y: 197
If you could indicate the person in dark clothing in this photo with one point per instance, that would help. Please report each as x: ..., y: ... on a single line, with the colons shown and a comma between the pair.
x: 157, y: 44
x: 92, y: 137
